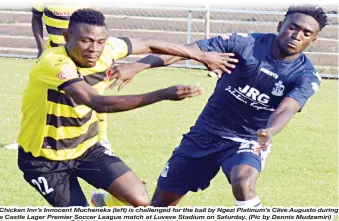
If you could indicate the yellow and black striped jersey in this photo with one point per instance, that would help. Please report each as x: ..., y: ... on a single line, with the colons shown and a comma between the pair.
x: 54, y: 126
x: 56, y: 18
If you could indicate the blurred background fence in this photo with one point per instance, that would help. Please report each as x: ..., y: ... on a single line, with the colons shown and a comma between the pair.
x: 177, y: 24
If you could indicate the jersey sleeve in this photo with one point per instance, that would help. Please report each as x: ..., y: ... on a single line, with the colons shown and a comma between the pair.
x: 119, y: 47
x: 38, y: 9
x: 305, y: 87
x: 56, y: 72
x: 226, y: 43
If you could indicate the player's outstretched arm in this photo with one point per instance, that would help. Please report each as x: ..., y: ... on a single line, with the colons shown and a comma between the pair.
x: 37, y: 29
x: 123, y: 74
x: 83, y: 93
x: 278, y: 120
x: 213, y: 60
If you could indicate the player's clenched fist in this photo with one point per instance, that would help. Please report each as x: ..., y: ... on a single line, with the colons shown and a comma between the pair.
x: 264, y: 139
x: 180, y: 92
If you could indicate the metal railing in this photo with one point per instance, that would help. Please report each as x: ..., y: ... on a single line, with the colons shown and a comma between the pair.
x: 187, y: 24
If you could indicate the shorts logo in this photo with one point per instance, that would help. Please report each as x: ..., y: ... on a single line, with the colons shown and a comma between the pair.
x: 109, y: 152
x: 278, y: 90
x: 247, y: 147
x: 165, y: 170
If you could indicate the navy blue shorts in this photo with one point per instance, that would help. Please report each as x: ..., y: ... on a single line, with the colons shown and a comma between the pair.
x: 186, y: 172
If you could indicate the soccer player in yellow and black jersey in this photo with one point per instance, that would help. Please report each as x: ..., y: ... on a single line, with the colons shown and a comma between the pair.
x: 59, y: 132
x: 56, y: 18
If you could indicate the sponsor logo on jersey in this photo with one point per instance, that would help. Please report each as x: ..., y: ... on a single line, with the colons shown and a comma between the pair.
x: 251, y: 96
x: 56, y: 13
x: 67, y: 73
x: 109, y: 72
x: 278, y: 90
x: 269, y: 73
x: 254, y: 94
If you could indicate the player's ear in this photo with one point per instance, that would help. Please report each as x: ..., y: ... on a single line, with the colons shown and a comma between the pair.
x: 279, y: 26
x: 315, y: 35
x: 66, y: 36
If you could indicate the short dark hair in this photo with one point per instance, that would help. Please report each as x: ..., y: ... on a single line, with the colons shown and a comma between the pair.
x: 312, y: 10
x: 87, y: 16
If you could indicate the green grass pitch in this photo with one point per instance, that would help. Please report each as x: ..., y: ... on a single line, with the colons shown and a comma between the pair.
x: 302, y: 169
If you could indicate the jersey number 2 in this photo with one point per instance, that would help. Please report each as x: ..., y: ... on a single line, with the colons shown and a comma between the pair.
x: 42, y: 180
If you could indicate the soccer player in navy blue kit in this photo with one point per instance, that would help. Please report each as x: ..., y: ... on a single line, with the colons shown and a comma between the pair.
x: 271, y: 83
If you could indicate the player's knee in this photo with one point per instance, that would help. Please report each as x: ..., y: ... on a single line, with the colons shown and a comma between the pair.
x: 141, y: 200
x: 243, y: 185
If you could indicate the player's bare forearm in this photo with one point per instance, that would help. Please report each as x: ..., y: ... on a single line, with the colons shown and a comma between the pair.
x: 111, y: 104
x: 37, y: 29
x: 83, y: 93
x: 212, y: 60
x: 279, y: 120
x: 153, y: 60
x: 282, y: 115
x: 151, y: 45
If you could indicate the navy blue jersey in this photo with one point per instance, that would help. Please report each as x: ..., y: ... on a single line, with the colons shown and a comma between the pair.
x: 243, y: 101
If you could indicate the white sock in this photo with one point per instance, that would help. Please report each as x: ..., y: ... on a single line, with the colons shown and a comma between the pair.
x: 255, y: 202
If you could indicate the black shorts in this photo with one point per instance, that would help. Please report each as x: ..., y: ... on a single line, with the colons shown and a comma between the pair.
x: 57, y: 181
